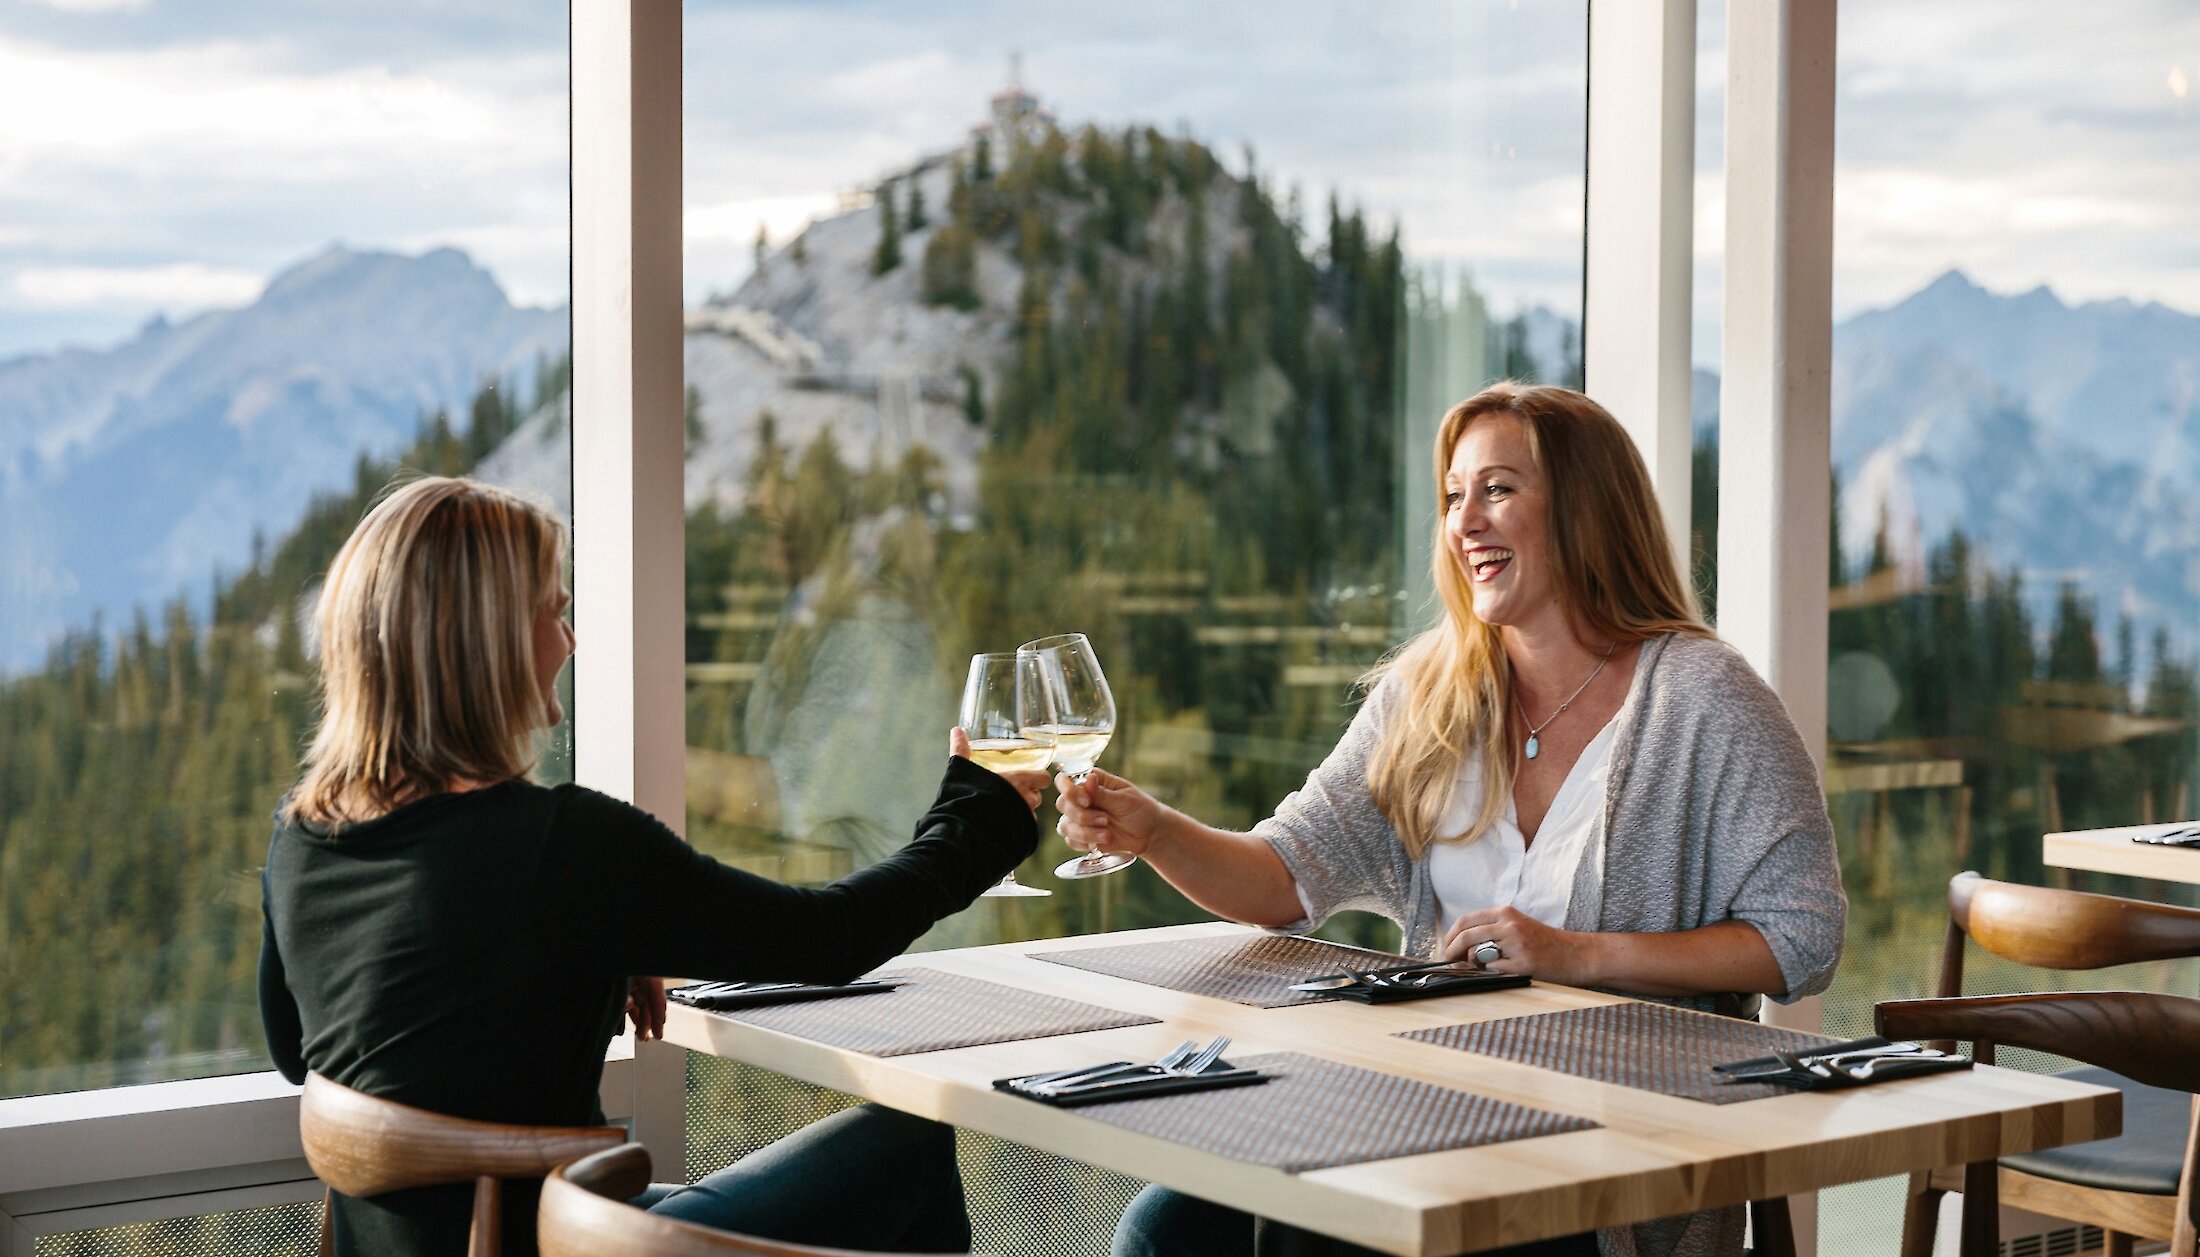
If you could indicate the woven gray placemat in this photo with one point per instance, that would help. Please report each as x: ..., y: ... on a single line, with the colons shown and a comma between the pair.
x: 1650, y: 1047
x: 1257, y: 971
x: 1314, y: 1114
x: 933, y: 1011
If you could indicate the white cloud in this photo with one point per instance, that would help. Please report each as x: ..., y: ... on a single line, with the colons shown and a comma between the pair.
x: 160, y: 175
x: 239, y: 103
x: 178, y: 286
x: 94, y: 6
x: 736, y: 221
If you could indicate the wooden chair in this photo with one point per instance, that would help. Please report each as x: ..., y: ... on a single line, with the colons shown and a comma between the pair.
x: 2128, y: 1186
x: 584, y: 1214
x: 363, y: 1146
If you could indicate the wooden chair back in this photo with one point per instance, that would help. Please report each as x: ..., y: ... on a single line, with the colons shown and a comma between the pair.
x: 2144, y: 1037
x: 363, y: 1146
x: 2062, y: 929
x: 584, y: 1214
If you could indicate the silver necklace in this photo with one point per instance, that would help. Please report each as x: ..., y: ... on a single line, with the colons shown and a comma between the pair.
x: 1535, y: 746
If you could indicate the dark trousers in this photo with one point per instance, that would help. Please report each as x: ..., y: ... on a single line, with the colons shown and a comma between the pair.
x: 1165, y: 1223
x: 798, y: 1190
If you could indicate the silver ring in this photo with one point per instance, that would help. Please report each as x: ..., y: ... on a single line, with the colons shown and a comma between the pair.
x: 1487, y: 953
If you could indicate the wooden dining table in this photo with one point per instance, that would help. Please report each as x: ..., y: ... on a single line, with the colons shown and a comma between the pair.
x: 1649, y: 1156
x: 2113, y: 851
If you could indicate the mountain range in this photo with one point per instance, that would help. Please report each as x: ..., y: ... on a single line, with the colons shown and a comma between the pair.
x: 130, y: 475
x: 2061, y: 439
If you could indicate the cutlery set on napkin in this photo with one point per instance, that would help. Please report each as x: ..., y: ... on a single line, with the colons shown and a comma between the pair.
x: 1850, y: 1064
x: 719, y: 996
x: 1404, y: 982
x: 1188, y: 1067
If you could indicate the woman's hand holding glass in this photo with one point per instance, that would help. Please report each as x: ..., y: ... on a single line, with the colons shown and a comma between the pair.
x: 1103, y: 812
x: 1029, y: 782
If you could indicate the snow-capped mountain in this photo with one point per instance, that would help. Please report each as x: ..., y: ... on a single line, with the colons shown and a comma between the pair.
x: 131, y: 474
x: 2063, y: 440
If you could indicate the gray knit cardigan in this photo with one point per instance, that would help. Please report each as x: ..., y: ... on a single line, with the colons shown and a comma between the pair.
x: 1712, y: 812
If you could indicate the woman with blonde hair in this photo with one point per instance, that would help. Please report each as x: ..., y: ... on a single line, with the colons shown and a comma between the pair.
x: 1570, y: 776
x: 443, y: 932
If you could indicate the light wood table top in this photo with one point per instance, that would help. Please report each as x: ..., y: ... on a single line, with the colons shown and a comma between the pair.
x: 1653, y: 1156
x: 2113, y: 851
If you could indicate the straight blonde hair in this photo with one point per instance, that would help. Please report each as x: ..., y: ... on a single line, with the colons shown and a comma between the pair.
x: 427, y: 649
x: 1614, y: 570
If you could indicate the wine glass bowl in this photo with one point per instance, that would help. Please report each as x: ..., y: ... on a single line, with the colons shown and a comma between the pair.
x: 1082, y: 723
x: 1006, y: 715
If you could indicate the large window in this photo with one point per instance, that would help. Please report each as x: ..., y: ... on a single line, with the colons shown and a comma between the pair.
x: 2016, y: 606
x: 1011, y: 321
x: 248, y: 273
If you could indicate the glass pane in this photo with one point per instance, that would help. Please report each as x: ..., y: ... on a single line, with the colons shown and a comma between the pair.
x: 2016, y: 609
x: 245, y: 277
x: 1708, y: 305
x: 292, y: 1230
x: 1132, y: 321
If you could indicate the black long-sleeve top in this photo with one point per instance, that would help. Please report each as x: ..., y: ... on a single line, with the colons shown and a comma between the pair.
x: 470, y: 953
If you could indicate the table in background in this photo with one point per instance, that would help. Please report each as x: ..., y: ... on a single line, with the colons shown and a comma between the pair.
x: 1652, y: 1156
x: 2113, y: 851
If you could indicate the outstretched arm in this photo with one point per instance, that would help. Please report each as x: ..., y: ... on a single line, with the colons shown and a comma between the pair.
x: 1230, y: 874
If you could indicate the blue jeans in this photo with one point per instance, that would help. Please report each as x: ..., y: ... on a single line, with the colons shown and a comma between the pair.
x: 800, y: 1190
x: 1165, y: 1223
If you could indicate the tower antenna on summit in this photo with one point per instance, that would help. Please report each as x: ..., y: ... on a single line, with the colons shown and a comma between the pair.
x: 1015, y: 70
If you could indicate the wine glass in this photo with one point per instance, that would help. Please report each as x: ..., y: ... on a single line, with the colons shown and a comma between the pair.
x: 1005, y: 712
x: 1083, y: 721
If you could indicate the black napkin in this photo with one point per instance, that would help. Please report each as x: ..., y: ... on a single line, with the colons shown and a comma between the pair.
x: 719, y: 996
x: 1131, y: 1086
x: 1793, y: 1069
x: 1421, y: 982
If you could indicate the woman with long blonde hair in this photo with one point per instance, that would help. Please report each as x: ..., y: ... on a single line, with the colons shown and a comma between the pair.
x: 1570, y: 776
x: 443, y: 932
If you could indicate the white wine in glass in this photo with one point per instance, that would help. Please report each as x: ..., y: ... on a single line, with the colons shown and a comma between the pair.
x: 1004, y: 709
x: 1083, y: 722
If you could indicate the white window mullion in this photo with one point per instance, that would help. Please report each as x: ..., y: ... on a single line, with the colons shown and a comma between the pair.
x: 1776, y: 371
x: 1638, y: 278
x: 628, y: 393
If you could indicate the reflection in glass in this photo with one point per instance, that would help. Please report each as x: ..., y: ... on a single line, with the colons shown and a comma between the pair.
x: 1136, y: 318
x: 2012, y: 644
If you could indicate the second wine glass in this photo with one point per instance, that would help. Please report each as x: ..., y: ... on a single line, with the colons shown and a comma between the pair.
x: 1006, y: 715
x: 1083, y: 723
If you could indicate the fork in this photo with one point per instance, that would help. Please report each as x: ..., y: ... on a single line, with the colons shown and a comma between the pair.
x: 1198, y: 1064
x: 1063, y: 1080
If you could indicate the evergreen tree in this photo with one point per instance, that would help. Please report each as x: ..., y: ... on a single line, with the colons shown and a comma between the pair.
x: 917, y: 218
x: 691, y: 425
x: 887, y: 255
x: 973, y: 406
x: 950, y: 271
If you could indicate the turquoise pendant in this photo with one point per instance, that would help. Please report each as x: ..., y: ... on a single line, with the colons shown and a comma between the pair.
x: 1533, y: 746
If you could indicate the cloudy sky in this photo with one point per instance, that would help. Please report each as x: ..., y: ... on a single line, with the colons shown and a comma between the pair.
x: 166, y: 156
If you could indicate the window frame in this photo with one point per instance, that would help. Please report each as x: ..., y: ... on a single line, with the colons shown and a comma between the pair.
x: 87, y: 1159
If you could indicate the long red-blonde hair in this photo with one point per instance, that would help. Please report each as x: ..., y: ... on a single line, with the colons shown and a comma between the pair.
x: 1613, y: 565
